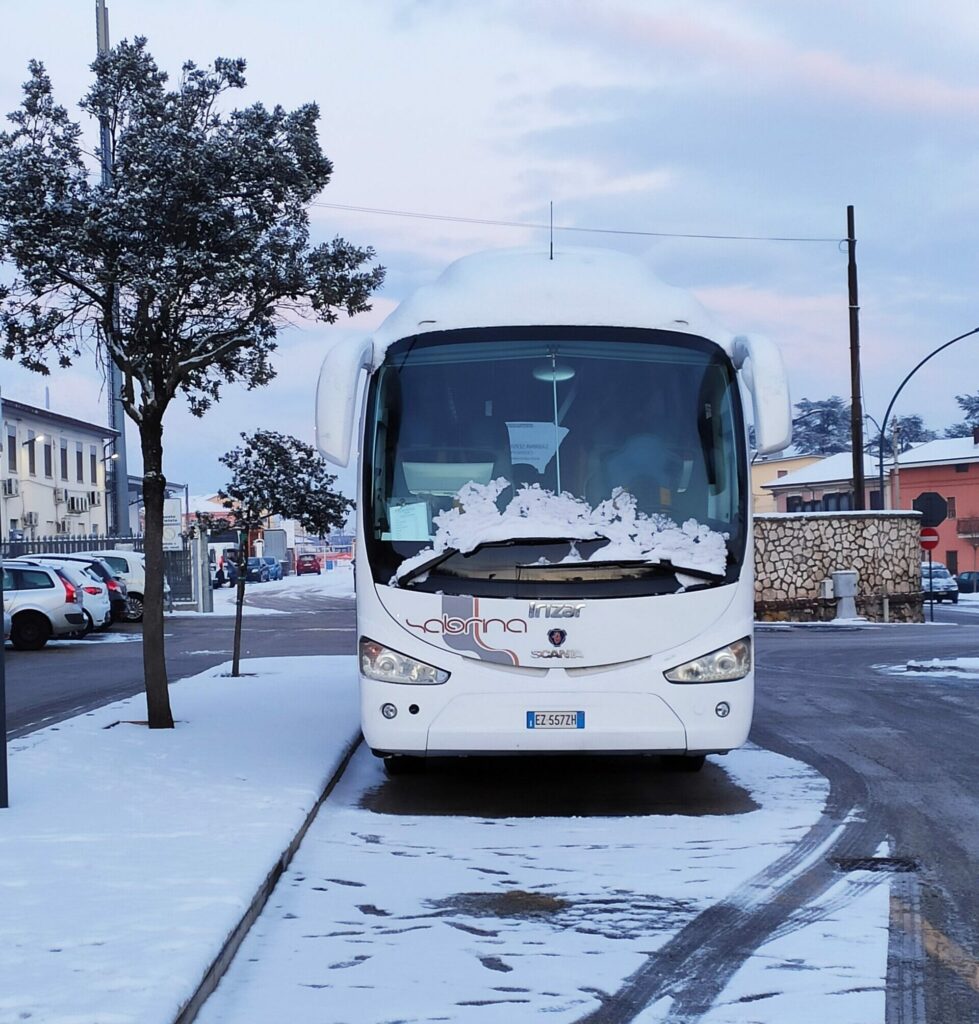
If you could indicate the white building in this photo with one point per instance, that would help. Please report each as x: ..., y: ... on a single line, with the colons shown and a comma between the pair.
x: 52, y: 474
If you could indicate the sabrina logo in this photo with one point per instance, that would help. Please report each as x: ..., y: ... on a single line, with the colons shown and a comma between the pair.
x: 451, y: 625
x: 556, y: 637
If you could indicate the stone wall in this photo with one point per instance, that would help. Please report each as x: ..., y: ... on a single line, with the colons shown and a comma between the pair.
x: 795, y: 552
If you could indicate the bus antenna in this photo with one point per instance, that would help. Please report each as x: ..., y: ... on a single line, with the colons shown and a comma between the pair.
x: 552, y: 229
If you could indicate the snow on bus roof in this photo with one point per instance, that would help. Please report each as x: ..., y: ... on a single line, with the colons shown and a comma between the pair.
x: 525, y: 287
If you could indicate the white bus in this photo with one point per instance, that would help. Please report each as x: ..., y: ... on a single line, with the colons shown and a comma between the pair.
x: 554, y: 524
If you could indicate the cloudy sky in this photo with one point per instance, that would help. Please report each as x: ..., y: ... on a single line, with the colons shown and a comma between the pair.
x: 656, y: 118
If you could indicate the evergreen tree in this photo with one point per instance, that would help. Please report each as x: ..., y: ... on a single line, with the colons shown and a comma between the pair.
x: 909, y: 430
x: 969, y: 404
x: 822, y: 428
x: 181, y: 269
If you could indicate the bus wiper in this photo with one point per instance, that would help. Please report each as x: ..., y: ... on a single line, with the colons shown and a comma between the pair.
x: 663, y: 567
x: 446, y: 553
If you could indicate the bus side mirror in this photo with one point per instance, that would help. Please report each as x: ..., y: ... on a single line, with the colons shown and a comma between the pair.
x: 760, y: 363
x: 336, y: 397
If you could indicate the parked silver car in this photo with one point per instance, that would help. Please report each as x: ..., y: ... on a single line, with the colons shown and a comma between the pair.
x: 43, y: 604
x: 939, y: 584
x: 118, y: 594
x: 94, y: 591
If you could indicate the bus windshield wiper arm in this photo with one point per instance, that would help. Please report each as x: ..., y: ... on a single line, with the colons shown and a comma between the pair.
x: 663, y: 566
x: 446, y: 553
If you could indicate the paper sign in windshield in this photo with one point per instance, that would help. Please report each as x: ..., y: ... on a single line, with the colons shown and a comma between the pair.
x: 535, y: 443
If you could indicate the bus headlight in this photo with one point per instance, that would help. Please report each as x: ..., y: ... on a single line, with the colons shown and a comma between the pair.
x: 380, y: 662
x: 731, y: 662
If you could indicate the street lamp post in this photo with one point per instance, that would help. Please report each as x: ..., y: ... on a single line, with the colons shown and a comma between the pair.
x: 880, y: 455
x: 900, y: 388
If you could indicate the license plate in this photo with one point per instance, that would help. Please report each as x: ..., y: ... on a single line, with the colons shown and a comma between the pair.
x: 555, y: 719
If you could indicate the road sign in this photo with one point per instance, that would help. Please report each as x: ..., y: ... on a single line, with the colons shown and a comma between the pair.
x: 932, y: 506
x: 929, y: 538
x: 172, y: 541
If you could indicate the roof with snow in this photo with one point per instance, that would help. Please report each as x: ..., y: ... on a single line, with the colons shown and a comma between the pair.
x: 527, y: 287
x: 832, y: 469
x: 946, y: 449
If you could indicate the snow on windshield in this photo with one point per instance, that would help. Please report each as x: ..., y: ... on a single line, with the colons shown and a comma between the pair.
x: 534, y: 513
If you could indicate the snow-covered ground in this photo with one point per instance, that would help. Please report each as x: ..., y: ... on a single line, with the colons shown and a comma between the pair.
x: 337, y: 582
x: 127, y: 856
x: 414, y: 918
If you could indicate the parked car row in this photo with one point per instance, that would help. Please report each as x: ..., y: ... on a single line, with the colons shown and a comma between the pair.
x: 61, y: 594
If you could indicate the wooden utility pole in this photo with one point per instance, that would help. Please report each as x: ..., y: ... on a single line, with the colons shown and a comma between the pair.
x: 856, y: 403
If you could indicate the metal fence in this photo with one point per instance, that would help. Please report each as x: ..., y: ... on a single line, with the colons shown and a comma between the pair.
x: 177, y: 565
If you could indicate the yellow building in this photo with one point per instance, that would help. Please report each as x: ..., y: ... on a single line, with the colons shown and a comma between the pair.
x: 767, y: 469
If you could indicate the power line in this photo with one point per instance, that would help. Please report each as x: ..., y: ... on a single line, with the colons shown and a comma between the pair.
x: 557, y: 227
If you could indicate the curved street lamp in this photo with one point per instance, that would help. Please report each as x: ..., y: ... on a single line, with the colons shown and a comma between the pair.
x: 890, y: 405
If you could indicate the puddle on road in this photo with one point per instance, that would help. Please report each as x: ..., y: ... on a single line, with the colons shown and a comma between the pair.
x: 558, y: 787
x: 617, y: 914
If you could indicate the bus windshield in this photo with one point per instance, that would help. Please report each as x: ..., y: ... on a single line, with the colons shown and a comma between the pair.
x: 590, y: 413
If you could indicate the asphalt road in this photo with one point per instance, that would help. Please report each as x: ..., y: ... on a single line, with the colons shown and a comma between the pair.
x: 66, y: 678
x: 901, y: 754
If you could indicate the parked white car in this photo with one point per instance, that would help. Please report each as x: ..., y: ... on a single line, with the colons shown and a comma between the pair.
x: 131, y: 567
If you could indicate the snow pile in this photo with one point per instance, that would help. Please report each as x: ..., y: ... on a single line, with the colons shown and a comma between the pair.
x: 538, y: 513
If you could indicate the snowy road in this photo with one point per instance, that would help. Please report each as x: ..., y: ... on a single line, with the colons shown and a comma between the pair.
x: 389, y: 913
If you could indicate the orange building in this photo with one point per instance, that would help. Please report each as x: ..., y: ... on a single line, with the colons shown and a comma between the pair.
x: 949, y: 468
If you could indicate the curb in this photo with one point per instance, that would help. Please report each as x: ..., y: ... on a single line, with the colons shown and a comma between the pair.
x: 220, y: 964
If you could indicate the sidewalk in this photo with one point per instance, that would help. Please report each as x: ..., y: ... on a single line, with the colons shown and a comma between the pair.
x: 128, y: 856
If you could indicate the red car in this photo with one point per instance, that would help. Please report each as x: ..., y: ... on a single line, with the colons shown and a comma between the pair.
x: 307, y: 563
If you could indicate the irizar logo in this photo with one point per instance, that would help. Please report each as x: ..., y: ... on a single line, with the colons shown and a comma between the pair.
x: 545, y: 610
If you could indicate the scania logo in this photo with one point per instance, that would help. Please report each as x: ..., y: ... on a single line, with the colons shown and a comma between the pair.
x: 556, y: 637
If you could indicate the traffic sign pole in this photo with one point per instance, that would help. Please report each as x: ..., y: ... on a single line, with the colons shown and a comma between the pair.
x: 931, y: 590
x: 928, y: 538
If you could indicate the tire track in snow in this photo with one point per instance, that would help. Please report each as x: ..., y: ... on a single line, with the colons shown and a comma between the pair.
x: 695, y: 966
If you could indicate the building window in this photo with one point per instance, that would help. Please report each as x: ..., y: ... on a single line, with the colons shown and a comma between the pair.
x: 79, y: 462
x: 952, y: 562
x: 951, y: 508
x: 875, y: 502
x: 48, y: 460
x: 31, y: 453
x: 64, y: 459
x: 782, y: 472
x: 962, y: 467
x: 93, y: 461
x: 12, y: 449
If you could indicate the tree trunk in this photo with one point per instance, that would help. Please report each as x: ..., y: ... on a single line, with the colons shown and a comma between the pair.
x: 158, y: 710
